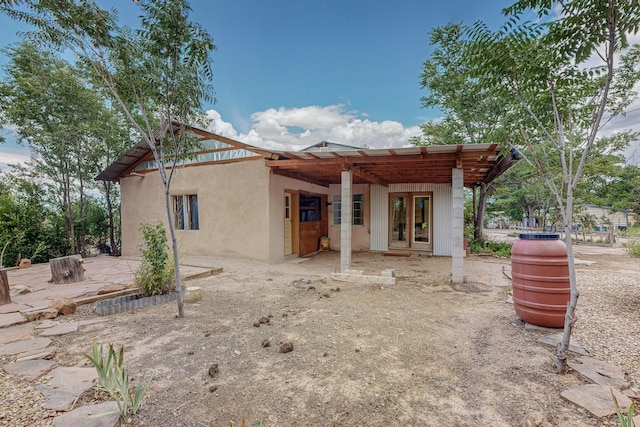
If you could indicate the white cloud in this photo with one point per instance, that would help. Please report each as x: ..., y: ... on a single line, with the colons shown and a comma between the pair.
x: 291, y: 129
x: 10, y: 155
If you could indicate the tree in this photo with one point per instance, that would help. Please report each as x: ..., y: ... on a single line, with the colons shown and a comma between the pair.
x: 469, y: 109
x: 160, y: 73
x: 543, y: 68
x: 68, y: 126
x: 30, y: 227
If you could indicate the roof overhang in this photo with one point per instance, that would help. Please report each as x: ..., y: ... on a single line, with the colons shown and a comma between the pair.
x: 479, y: 162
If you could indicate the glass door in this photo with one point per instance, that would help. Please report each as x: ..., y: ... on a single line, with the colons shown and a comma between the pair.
x: 421, y: 222
x: 399, y: 232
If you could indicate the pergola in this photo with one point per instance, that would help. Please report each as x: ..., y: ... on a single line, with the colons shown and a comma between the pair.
x: 469, y: 165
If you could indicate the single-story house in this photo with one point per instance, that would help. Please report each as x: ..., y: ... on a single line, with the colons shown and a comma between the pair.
x: 241, y: 201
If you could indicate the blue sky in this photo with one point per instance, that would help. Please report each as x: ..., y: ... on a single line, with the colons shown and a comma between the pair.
x: 290, y: 73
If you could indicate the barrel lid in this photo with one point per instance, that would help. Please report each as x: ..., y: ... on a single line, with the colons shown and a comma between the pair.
x: 539, y: 236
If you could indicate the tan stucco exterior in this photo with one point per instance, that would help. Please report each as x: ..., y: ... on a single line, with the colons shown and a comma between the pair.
x: 241, y: 209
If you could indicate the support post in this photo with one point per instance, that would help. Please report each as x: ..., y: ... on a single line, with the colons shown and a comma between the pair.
x: 346, y: 221
x: 457, y: 226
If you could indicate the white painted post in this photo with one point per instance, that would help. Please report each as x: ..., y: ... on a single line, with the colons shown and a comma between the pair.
x: 345, y: 224
x: 457, y: 226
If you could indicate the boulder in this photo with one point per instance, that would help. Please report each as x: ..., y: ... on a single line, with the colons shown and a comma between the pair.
x: 63, y: 305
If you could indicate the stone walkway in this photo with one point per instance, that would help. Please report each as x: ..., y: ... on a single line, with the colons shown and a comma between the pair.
x: 26, y: 344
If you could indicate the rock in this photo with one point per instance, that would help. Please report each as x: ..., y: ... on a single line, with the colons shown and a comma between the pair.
x: 109, y: 415
x: 46, y: 353
x: 19, y: 290
x: 256, y: 324
x: 23, y: 346
x: 263, y: 320
x: 60, y: 329
x: 113, y: 287
x: 597, y: 399
x: 214, y: 370
x: 212, y: 388
x: 24, y: 263
x: 46, y: 313
x: 30, y: 369
x: 286, y: 347
x: 64, y: 305
x: 266, y: 343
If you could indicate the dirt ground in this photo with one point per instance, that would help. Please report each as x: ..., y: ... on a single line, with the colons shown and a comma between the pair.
x: 420, y: 353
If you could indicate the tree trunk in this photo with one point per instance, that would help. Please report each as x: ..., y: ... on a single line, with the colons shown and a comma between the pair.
x: 115, y: 250
x: 5, y: 295
x: 478, y: 226
x: 174, y: 247
x: 67, y: 269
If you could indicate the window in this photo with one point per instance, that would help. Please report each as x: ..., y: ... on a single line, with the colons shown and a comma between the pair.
x: 310, y: 209
x: 357, y: 212
x: 185, y: 212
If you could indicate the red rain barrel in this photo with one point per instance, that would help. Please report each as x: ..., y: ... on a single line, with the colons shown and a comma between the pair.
x: 540, y: 278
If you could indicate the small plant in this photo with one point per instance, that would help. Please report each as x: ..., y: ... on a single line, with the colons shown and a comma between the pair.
x: 114, y: 379
x: 500, y: 249
x: 625, y: 420
x: 632, y: 247
x: 155, y: 274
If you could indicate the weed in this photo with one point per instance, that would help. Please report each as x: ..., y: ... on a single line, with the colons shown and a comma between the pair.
x: 626, y: 420
x: 114, y: 379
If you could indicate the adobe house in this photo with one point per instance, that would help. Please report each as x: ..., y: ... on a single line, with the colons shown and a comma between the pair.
x: 240, y: 201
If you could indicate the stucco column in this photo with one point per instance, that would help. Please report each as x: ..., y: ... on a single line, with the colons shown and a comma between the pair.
x: 345, y: 223
x: 457, y: 225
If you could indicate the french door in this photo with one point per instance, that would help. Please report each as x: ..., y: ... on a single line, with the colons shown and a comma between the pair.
x: 410, y: 221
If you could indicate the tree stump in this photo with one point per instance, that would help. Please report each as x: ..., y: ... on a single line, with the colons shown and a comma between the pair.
x: 5, y: 294
x: 66, y: 269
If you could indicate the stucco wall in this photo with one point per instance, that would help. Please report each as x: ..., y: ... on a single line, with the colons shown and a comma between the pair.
x: 360, y: 234
x: 277, y: 187
x: 233, y: 209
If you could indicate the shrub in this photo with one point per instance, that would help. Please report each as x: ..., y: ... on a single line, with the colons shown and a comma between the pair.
x: 155, y: 274
x: 632, y: 247
x: 489, y: 247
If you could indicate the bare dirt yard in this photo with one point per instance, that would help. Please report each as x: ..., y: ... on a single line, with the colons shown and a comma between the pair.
x: 420, y: 353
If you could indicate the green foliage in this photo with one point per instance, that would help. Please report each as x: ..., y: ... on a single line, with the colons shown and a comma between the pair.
x: 29, y: 226
x: 632, y: 247
x: 115, y: 380
x: 626, y: 420
x: 155, y: 274
x: 488, y: 247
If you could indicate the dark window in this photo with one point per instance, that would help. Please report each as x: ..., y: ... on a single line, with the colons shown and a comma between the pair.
x: 310, y: 208
x: 185, y: 212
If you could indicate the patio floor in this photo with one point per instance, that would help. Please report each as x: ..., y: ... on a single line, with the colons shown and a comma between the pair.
x: 99, y: 271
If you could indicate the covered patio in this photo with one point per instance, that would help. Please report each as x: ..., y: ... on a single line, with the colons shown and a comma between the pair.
x: 471, y: 165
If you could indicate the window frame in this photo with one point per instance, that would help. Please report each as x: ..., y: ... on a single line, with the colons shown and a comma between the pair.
x: 357, y: 205
x: 186, y: 214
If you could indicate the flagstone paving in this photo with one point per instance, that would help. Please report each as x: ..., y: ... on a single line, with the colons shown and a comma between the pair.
x: 15, y: 333
x: 101, y: 415
x: 30, y: 369
x: 60, y: 329
x: 30, y: 292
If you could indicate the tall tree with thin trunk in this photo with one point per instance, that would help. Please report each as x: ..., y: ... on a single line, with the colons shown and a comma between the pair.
x: 566, y: 75
x: 159, y: 73
x: 470, y: 110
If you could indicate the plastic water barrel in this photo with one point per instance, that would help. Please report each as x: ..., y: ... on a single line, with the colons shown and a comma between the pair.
x: 540, y: 278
